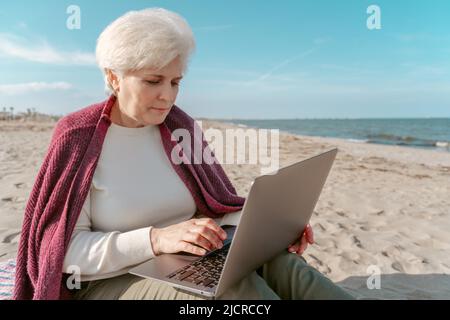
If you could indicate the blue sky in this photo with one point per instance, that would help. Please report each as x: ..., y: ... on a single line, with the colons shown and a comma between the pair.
x: 254, y: 59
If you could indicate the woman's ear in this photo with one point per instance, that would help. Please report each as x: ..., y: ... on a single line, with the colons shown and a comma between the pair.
x: 113, y: 79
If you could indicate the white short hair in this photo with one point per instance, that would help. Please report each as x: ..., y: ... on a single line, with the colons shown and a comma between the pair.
x: 149, y: 38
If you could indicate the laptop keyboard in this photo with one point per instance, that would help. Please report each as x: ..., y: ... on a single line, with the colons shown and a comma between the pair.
x: 204, y: 272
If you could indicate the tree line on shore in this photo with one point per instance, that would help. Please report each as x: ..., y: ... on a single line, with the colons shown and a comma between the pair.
x: 8, y: 114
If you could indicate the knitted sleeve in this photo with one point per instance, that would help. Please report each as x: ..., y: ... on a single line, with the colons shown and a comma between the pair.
x: 102, y: 254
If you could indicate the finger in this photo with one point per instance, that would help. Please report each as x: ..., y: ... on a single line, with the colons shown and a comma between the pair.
x: 309, y: 234
x: 189, y: 247
x: 294, y: 247
x: 210, y: 235
x: 303, y: 246
x: 297, y: 243
x: 198, y: 240
x: 302, y: 249
x: 210, y: 223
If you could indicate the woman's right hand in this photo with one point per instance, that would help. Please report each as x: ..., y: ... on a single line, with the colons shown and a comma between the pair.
x: 195, y: 236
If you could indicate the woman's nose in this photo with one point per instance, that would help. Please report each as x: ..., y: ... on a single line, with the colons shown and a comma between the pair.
x: 166, y: 93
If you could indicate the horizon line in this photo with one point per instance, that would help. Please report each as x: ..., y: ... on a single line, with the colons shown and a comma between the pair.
x: 267, y: 119
x: 320, y: 118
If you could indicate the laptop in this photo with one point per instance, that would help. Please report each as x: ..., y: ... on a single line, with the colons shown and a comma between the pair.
x: 278, y: 207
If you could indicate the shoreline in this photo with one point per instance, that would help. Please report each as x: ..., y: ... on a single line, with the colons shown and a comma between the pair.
x: 425, y: 155
x: 440, y: 146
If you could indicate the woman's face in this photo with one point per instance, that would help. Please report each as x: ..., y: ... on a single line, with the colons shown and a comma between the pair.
x: 145, y: 97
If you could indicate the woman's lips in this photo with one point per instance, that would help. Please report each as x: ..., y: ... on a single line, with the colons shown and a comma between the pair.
x: 160, y: 109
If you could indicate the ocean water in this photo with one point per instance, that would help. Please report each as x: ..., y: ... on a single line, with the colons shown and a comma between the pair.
x: 432, y: 133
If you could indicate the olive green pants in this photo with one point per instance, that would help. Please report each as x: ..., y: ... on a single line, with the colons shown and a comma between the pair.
x: 287, y: 276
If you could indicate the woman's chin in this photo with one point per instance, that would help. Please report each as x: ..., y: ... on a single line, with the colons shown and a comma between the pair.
x: 154, y: 116
x: 155, y: 120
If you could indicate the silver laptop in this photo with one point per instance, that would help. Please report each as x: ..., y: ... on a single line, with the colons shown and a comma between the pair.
x: 276, y: 210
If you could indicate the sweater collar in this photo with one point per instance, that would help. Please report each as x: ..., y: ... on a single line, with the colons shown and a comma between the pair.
x: 106, y: 112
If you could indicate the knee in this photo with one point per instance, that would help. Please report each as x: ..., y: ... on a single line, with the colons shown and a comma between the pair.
x: 283, y: 264
x: 285, y: 260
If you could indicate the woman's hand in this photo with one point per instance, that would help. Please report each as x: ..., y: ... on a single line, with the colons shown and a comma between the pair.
x: 300, y: 245
x: 195, y: 236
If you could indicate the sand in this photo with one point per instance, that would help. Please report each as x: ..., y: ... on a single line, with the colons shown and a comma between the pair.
x: 383, y: 208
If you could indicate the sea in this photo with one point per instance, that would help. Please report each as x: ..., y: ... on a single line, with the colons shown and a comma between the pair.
x: 426, y: 133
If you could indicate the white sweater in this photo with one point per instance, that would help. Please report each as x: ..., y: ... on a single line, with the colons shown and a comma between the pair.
x: 134, y: 188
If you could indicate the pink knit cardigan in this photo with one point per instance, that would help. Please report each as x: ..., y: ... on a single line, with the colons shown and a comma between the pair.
x: 63, y: 182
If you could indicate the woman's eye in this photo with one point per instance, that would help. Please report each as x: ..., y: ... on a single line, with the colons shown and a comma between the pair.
x: 157, y: 82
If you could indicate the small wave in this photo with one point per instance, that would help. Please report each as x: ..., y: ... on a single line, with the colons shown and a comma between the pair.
x: 391, y: 137
x: 442, y: 144
x: 401, y: 140
x: 358, y: 140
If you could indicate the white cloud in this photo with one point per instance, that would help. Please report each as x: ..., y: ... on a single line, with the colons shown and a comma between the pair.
x: 20, y: 48
x: 21, y: 88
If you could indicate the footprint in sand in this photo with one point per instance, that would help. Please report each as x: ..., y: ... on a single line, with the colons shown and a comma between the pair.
x: 397, y: 266
x: 421, y: 176
x: 381, y: 169
x: 316, y: 259
x: 342, y: 226
x: 364, y: 228
x: 379, y: 212
x: 357, y: 242
x: 321, y: 266
x: 321, y: 227
x: 341, y: 213
x: 14, y: 199
x: 19, y: 185
x: 12, y: 238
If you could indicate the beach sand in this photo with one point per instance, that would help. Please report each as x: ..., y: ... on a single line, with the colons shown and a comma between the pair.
x: 382, y: 207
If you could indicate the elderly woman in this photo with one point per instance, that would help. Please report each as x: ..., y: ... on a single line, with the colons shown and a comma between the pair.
x: 109, y: 197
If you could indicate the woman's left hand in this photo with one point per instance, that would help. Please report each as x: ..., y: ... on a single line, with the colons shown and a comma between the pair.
x: 307, y: 237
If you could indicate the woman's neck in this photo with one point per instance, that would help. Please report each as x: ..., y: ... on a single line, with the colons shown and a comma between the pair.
x: 121, y: 119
